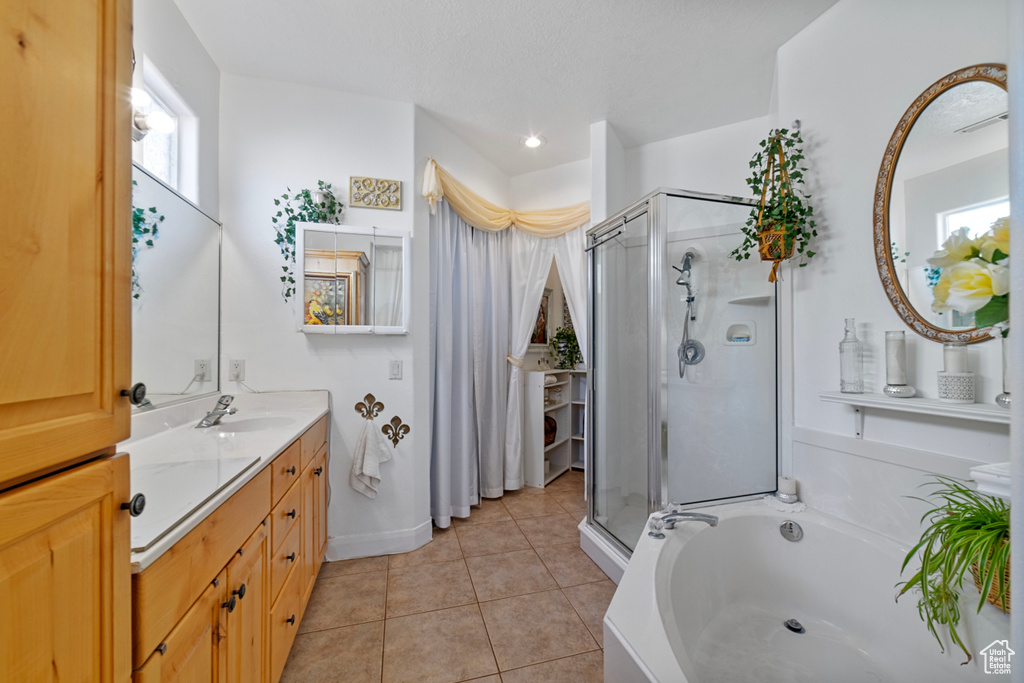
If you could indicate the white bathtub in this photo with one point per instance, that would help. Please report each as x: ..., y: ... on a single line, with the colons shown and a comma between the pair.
x: 707, y: 605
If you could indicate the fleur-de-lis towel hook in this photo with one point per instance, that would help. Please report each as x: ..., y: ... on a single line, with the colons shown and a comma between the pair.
x: 395, y: 431
x: 369, y: 407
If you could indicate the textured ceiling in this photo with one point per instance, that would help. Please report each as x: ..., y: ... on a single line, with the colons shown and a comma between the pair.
x: 496, y: 70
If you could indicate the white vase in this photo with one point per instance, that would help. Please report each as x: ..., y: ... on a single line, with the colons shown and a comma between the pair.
x: 1003, y: 399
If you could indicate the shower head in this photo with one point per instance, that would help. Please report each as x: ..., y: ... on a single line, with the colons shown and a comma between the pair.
x: 684, y: 272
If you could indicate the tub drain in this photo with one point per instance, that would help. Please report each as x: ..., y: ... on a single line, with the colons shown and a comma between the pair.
x: 793, y: 625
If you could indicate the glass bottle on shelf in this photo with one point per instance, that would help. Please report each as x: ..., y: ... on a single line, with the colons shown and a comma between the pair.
x: 851, y: 361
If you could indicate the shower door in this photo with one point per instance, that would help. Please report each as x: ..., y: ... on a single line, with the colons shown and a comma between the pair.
x: 683, y: 362
x: 618, y: 378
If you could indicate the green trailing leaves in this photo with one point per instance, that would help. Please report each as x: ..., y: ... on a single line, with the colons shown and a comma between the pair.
x: 304, y: 206
x: 145, y: 226
x: 566, y: 348
x: 966, y: 528
x: 786, y: 206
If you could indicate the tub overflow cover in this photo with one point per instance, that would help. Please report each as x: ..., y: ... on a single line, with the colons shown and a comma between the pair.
x: 791, y: 531
x: 794, y: 625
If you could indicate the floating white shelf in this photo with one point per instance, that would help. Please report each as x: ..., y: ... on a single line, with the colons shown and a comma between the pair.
x: 556, y: 444
x: 752, y: 299
x: 979, y: 412
x: 548, y: 409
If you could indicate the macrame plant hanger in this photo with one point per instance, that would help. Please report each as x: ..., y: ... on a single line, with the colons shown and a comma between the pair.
x: 772, y: 243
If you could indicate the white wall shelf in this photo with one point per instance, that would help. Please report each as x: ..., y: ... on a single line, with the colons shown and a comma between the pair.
x: 978, y: 412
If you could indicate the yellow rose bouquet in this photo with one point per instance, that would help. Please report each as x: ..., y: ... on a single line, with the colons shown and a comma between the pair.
x: 975, y: 275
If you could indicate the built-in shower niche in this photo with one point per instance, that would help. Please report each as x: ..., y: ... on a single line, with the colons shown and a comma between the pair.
x: 739, y: 333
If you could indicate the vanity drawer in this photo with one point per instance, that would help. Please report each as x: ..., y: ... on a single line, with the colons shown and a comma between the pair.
x: 284, y: 623
x: 286, y: 515
x: 313, y: 440
x: 287, y: 556
x: 286, y: 470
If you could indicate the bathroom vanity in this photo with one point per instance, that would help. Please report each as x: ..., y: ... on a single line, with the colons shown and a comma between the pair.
x: 226, y: 554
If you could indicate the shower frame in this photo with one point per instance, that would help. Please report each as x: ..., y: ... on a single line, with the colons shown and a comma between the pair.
x: 655, y: 204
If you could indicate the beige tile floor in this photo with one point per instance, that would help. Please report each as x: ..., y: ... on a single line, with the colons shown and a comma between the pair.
x: 505, y: 596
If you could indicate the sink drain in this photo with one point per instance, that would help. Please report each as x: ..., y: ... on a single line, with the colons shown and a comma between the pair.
x: 794, y: 625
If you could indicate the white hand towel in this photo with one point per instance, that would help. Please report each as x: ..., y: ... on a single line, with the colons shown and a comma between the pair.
x: 370, y: 451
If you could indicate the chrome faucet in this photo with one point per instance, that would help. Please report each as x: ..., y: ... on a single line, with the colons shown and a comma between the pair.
x: 213, y: 417
x: 668, y: 521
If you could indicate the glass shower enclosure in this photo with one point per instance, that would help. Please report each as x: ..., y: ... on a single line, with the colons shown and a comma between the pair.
x: 682, y: 363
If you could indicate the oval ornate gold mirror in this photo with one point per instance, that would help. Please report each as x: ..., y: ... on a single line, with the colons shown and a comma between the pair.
x: 945, y: 168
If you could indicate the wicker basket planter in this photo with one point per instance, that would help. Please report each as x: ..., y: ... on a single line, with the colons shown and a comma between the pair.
x: 993, y: 594
x: 771, y: 244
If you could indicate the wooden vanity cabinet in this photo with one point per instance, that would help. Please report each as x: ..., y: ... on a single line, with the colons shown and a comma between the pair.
x: 192, y: 597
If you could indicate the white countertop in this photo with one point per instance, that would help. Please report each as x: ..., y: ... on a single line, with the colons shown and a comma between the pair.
x: 186, y: 473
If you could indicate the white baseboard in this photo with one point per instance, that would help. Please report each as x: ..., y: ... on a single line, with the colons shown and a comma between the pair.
x: 369, y: 545
x: 604, y: 556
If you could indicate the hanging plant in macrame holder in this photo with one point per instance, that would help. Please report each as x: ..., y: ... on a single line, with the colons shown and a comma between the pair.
x: 782, y: 221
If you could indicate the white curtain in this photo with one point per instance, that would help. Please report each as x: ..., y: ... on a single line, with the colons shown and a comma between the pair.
x: 571, y: 259
x: 387, y: 286
x: 469, y: 299
x: 454, y: 474
x: 531, y: 262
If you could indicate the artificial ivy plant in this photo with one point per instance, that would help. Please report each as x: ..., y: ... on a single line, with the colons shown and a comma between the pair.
x: 303, y: 206
x: 783, y: 219
x: 968, y: 532
x: 144, y: 231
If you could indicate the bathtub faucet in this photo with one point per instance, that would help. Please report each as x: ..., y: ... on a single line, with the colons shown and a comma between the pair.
x: 671, y: 518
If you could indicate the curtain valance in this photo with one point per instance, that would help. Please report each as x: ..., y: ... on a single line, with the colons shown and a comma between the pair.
x: 438, y: 184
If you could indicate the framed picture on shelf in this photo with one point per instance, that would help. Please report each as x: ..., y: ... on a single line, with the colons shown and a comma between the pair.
x: 541, y: 331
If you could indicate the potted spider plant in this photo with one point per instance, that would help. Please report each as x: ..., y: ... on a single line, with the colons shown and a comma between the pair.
x: 783, y: 219
x: 145, y: 226
x: 304, y: 206
x: 967, y: 532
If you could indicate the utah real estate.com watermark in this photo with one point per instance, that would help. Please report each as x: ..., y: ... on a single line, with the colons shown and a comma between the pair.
x: 996, y: 657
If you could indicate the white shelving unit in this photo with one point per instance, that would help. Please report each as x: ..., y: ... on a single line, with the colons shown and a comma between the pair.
x: 979, y: 412
x: 559, y: 407
x: 578, y: 415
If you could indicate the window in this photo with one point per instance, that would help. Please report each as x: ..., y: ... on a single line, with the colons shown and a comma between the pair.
x: 160, y: 150
x: 977, y: 219
x: 172, y: 156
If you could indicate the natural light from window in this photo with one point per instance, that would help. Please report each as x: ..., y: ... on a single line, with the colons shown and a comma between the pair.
x: 160, y: 150
x: 977, y: 219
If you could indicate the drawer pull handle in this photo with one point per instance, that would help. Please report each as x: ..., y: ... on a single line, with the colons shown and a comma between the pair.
x: 162, y: 648
x: 290, y: 514
x: 318, y: 471
x: 291, y: 470
x: 136, y: 505
x: 230, y: 604
x: 290, y: 620
x: 240, y: 592
x: 290, y: 558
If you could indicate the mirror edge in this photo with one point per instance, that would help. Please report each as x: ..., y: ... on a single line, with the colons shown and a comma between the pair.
x: 989, y: 72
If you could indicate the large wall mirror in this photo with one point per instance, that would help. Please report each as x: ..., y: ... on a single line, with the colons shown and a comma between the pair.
x: 351, y: 279
x: 946, y: 168
x: 175, y: 294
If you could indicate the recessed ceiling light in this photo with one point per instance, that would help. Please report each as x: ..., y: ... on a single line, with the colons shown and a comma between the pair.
x: 534, y: 141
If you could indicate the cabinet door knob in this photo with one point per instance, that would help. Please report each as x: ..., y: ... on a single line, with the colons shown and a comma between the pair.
x: 290, y: 558
x: 318, y: 471
x: 290, y: 514
x: 136, y: 395
x: 291, y: 470
x: 230, y: 604
x: 290, y: 620
x: 136, y: 505
x: 240, y: 592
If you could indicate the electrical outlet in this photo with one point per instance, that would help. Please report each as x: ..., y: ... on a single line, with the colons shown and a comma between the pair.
x: 395, y: 370
x: 203, y: 370
x: 236, y: 371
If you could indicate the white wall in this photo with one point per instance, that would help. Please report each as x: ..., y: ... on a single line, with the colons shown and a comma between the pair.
x: 161, y: 33
x: 849, y: 77
x: 279, y: 135
x: 713, y: 161
x: 553, y: 187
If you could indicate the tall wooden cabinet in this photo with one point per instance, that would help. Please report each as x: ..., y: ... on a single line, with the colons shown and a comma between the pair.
x: 65, y: 264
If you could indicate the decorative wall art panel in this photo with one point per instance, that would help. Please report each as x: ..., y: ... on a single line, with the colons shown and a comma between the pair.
x: 375, y: 193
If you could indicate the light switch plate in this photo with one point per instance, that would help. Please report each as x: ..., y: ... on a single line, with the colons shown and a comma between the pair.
x: 395, y: 370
